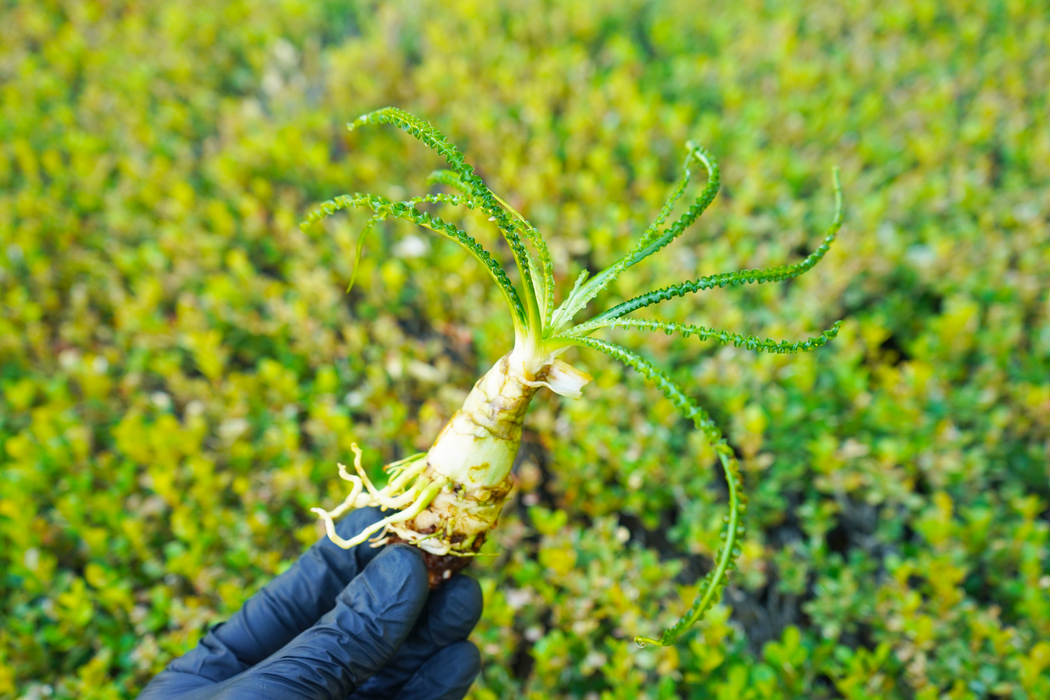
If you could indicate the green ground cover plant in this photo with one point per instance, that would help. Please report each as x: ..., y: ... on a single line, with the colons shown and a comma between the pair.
x: 180, y: 368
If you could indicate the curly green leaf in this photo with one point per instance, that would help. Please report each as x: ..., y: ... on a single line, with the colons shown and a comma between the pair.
x: 740, y: 277
x: 713, y: 583
x: 450, y: 179
x: 686, y: 330
x: 653, y: 239
x: 404, y: 210
x: 492, y: 205
x: 544, y: 271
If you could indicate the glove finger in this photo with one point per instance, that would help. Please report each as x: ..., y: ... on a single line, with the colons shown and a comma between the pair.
x: 449, y: 616
x: 172, y: 684
x: 446, y: 676
x: 372, y: 618
x: 287, y: 606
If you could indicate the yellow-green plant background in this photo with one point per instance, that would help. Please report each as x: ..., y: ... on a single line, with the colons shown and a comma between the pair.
x: 181, y: 369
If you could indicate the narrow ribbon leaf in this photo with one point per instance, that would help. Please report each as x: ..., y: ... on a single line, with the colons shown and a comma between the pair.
x: 653, y: 239
x: 714, y: 582
x: 750, y: 342
x: 740, y: 277
x: 404, y: 210
x: 476, y: 189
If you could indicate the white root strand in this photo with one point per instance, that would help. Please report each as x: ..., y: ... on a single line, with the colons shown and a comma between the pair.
x: 412, y: 511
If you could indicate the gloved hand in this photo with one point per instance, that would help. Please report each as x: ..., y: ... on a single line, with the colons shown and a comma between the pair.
x: 338, y: 624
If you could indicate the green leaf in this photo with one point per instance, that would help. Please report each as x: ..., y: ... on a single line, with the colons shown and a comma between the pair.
x: 741, y: 277
x: 713, y: 583
x: 652, y: 239
x: 509, y: 221
x: 404, y: 210
x: 724, y: 337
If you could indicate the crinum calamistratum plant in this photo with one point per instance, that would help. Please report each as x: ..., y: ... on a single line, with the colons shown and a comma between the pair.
x: 444, y: 501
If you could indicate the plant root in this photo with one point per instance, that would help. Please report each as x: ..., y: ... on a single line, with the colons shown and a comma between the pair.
x: 406, y: 490
x: 431, y: 513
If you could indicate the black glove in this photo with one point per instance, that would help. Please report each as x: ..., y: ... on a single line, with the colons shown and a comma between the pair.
x: 338, y: 624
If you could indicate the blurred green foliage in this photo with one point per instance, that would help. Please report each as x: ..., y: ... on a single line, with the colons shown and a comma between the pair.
x: 180, y: 369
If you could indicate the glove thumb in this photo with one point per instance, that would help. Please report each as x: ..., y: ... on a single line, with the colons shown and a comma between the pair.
x: 372, y: 617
